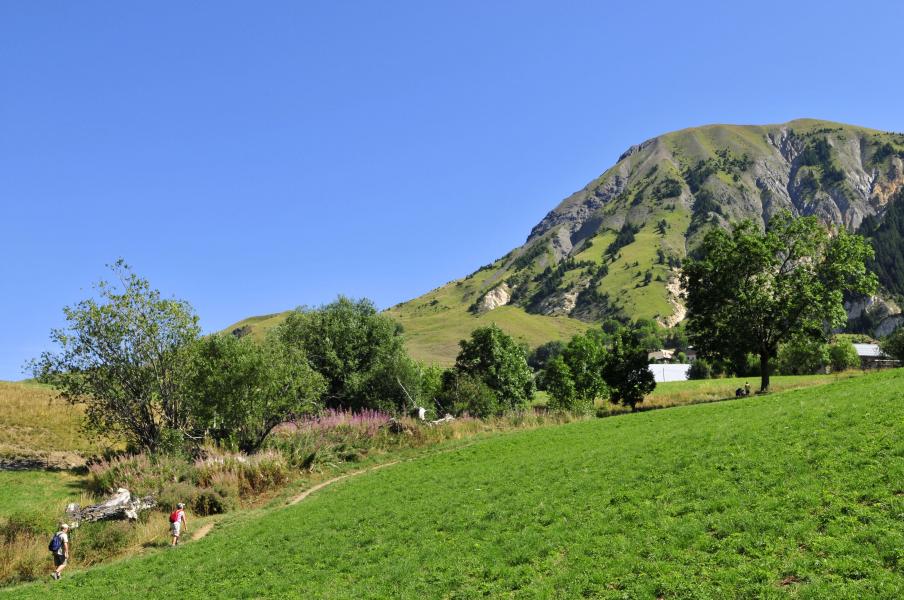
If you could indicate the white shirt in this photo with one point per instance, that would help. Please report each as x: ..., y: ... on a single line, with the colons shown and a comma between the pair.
x: 64, y: 539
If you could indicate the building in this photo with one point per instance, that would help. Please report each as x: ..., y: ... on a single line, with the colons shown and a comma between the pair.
x: 669, y: 372
x: 872, y: 357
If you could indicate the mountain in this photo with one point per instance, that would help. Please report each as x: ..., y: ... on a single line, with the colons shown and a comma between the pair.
x: 614, y: 249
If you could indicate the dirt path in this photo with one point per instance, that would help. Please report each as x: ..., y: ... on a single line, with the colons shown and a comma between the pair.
x: 204, y: 530
x: 323, y: 484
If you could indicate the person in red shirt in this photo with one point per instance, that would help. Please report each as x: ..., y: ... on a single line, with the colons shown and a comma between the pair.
x: 177, y: 522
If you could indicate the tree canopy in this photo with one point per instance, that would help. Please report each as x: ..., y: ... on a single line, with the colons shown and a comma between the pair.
x: 238, y: 390
x: 750, y: 290
x: 626, y: 370
x: 359, y: 352
x: 495, y: 358
x: 119, y: 355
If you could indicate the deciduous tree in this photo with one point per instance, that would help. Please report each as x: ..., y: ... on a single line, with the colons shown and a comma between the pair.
x: 750, y: 290
x: 119, y: 355
x: 627, y: 371
x: 496, y: 359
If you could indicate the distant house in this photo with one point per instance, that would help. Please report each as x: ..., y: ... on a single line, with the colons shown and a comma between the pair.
x: 872, y: 357
x: 661, y: 356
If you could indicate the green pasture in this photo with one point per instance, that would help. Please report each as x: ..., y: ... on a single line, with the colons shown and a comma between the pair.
x: 798, y: 494
x: 38, y: 492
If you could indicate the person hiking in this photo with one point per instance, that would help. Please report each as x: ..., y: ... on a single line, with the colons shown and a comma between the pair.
x: 177, y: 522
x: 747, y: 388
x: 59, y: 546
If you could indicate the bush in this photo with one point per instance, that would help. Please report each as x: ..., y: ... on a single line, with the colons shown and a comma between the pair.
x: 22, y: 524
x: 700, y: 369
x: 141, y: 474
x: 249, y: 475
x: 213, y: 502
x: 101, y: 541
x: 843, y: 355
x: 467, y: 393
x: 894, y: 344
x: 802, y: 356
x: 174, y: 493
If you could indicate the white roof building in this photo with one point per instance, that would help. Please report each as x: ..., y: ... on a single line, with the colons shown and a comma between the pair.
x: 869, y: 351
x: 666, y: 372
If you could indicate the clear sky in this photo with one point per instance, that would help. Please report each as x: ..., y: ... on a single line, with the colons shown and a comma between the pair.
x: 250, y: 157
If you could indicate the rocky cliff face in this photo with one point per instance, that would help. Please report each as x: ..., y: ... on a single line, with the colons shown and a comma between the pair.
x: 612, y: 248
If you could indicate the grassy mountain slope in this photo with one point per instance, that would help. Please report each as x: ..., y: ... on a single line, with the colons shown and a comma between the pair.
x: 797, y: 493
x: 35, y: 425
x: 615, y: 248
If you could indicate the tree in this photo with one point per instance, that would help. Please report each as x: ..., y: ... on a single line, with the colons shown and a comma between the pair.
x: 238, y: 390
x: 893, y: 345
x: 559, y: 385
x: 359, y: 352
x: 495, y: 358
x: 627, y: 371
x: 585, y: 356
x: 119, y: 355
x: 750, y: 291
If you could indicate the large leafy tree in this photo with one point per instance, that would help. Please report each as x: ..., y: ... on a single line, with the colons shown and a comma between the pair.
x: 495, y: 358
x: 359, y: 352
x: 238, y: 390
x: 574, y: 379
x: 626, y: 369
x: 749, y: 290
x: 119, y: 354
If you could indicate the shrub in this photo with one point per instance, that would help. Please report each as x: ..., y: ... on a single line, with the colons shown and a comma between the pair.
x: 140, y: 473
x: 843, y: 355
x: 102, y: 540
x: 700, y: 369
x: 213, y: 501
x: 22, y: 524
x: 467, y: 393
x: 802, y: 356
x: 894, y: 344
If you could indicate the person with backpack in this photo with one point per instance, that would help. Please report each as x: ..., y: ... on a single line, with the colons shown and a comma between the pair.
x: 177, y: 521
x: 59, y: 547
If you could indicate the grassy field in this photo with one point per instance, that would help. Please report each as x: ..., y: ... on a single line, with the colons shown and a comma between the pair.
x: 795, y: 494
x: 35, y: 423
x: 45, y: 492
x: 676, y: 393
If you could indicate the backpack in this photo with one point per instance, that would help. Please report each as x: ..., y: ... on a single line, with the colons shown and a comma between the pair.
x: 174, y: 516
x: 55, y: 544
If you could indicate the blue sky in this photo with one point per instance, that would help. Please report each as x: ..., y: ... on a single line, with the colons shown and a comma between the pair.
x: 250, y: 157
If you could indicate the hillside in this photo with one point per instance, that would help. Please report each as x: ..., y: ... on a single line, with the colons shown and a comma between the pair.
x: 795, y: 493
x: 38, y: 428
x: 615, y: 248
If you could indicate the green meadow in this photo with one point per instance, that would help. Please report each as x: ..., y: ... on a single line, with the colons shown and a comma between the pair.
x: 795, y: 494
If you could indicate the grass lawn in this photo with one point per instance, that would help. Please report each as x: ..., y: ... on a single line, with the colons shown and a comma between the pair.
x: 45, y: 492
x: 795, y: 494
x: 674, y: 393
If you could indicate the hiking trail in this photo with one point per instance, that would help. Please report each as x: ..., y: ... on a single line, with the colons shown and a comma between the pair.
x: 201, y: 532
x: 323, y: 484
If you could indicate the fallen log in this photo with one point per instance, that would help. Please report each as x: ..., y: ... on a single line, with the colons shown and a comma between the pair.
x: 445, y: 419
x: 120, y: 506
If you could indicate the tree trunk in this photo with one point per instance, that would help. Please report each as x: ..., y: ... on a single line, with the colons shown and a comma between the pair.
x: 764, y: 372
x: 120, y: 506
